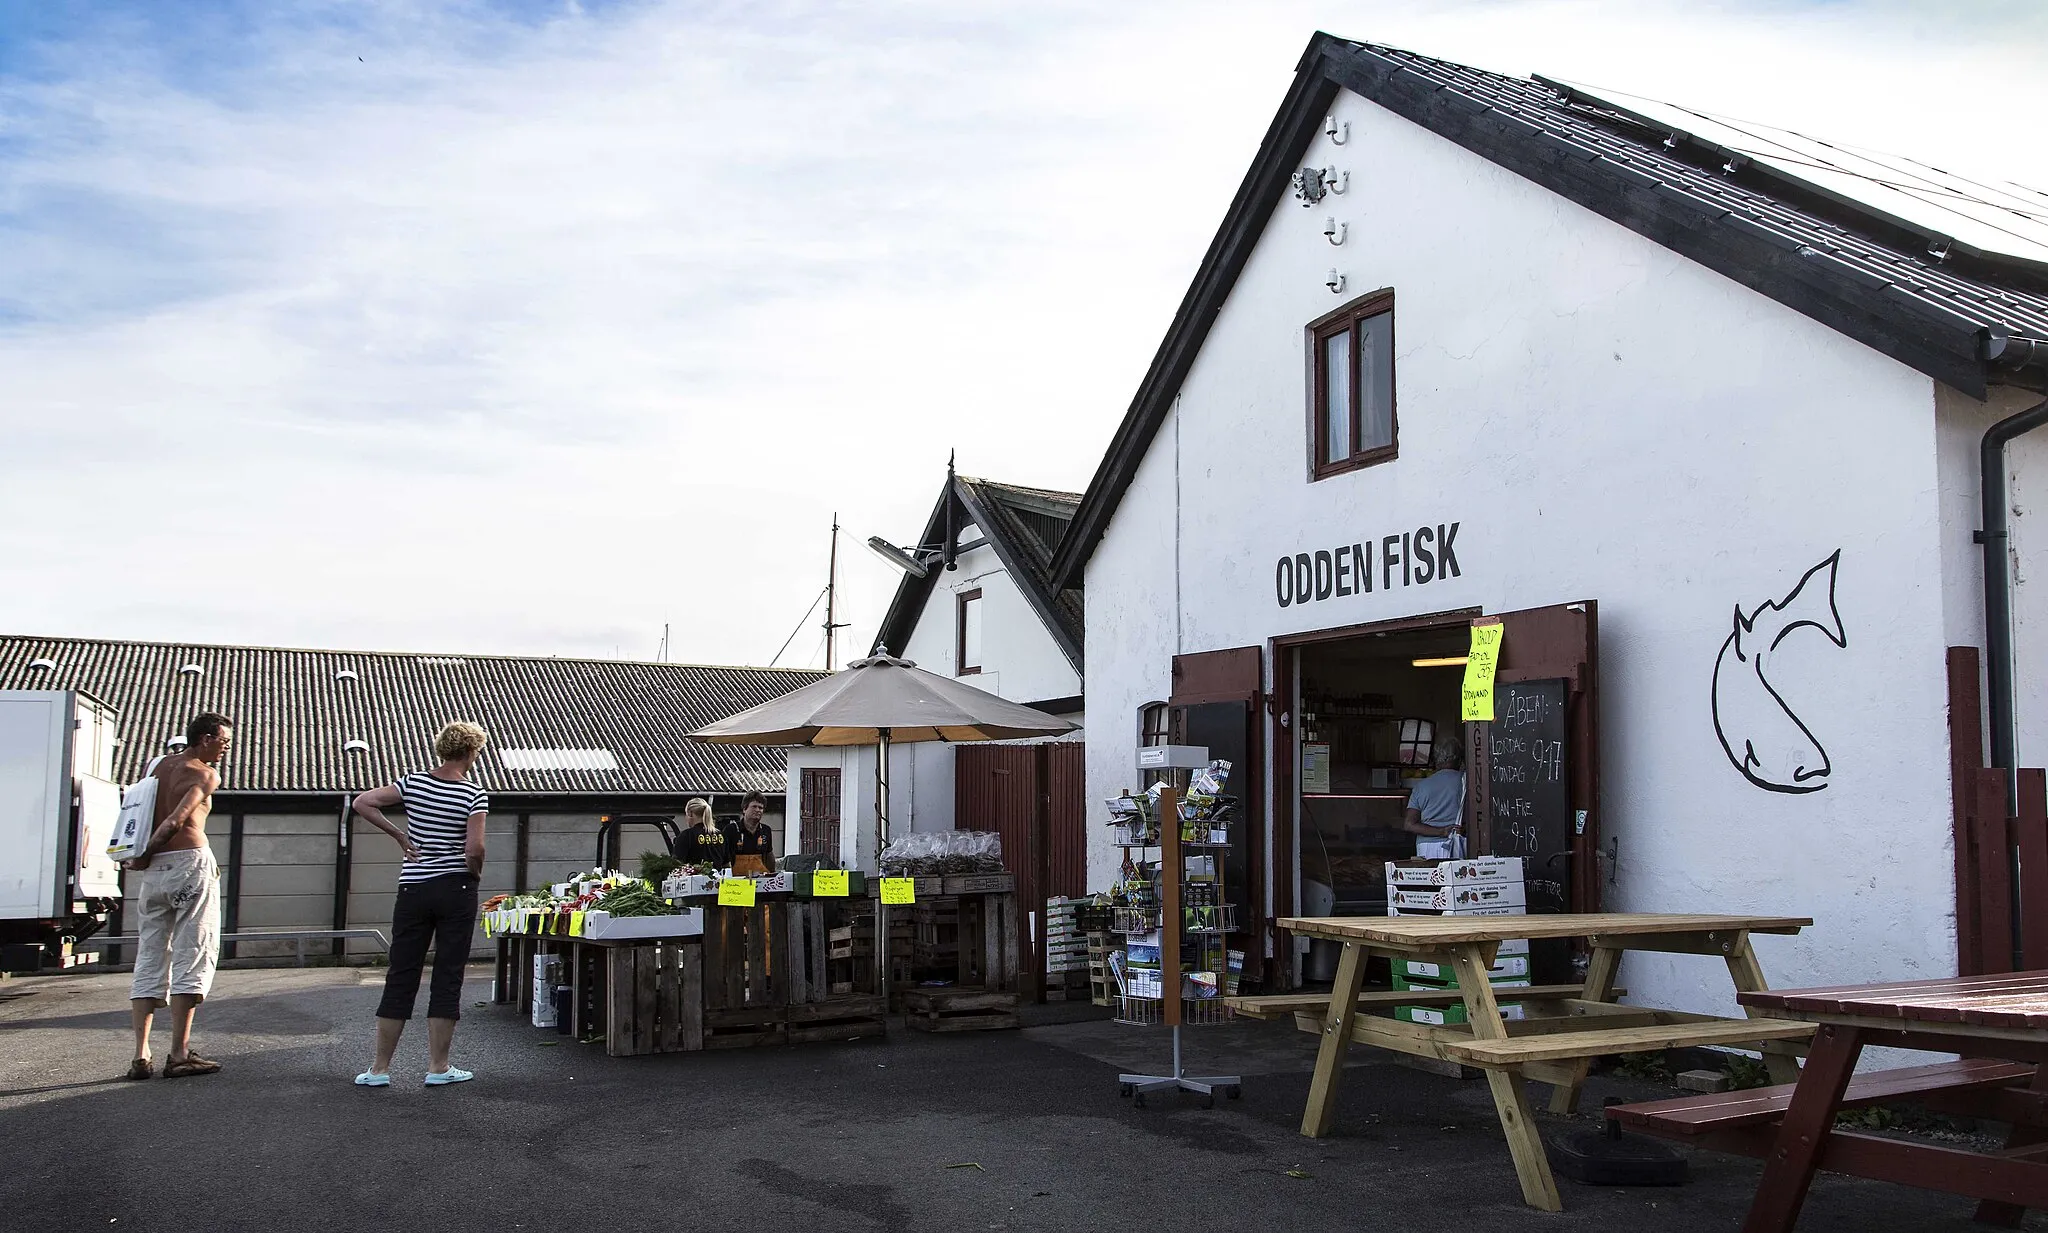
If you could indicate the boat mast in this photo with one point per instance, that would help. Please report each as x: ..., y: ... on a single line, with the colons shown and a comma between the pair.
x: 831, y: 590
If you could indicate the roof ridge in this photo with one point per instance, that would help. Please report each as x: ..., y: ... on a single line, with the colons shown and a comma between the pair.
x: 994, y: 483
x: 175, y: 644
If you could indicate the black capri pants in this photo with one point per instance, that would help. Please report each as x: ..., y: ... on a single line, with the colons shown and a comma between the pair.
x: 442, y: 911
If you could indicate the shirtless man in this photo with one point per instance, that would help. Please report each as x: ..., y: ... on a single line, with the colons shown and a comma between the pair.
x: 178, y: 937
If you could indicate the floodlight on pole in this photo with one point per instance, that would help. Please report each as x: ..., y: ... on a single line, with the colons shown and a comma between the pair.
x: 917, y: 564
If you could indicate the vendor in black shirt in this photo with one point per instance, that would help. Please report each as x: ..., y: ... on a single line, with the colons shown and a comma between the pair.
x: 753, y: 844
x: 704, y: 841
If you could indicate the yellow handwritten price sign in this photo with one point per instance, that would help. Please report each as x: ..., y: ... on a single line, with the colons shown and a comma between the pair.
x: 899, y: 891
x: 829, y: 882
x: 575, y: 924
x: 1480, y: 665
x: 736, y: 892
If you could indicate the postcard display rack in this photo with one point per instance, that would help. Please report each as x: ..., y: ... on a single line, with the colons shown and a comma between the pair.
x: 1173, y: 914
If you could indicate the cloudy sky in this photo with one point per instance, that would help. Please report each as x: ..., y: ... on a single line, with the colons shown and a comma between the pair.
x: 527, y: 326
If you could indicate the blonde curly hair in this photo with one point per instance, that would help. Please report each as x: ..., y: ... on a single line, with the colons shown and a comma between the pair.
x: 460, y: 740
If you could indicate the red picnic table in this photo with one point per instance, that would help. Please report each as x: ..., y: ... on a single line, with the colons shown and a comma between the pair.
x: 1998, y: 1027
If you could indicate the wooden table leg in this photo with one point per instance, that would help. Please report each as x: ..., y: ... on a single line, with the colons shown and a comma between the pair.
x: 579, y: 1021
x: 1510, y: 1096
x: 1321, y: 1113
x: 1748, y: 975
x: 1788, y: 1170
x: 1601, y: 971
x: 2003, y: 1215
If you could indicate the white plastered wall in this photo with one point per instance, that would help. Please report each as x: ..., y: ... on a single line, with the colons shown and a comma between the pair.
x: 1604, y: 420
x: 1020, y: 659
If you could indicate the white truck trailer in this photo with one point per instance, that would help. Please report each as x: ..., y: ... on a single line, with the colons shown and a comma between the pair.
x: 58, y: 806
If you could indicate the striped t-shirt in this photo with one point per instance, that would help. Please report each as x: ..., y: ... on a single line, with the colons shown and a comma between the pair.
x: 437, y: 821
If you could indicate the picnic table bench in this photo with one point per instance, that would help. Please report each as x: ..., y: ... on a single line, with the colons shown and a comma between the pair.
x: 1997, y: 1024
x: 1566, y: 1027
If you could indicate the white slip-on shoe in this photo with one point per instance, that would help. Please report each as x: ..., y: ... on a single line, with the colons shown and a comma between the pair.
x: 371, y: 1078
x: 439, y: 1078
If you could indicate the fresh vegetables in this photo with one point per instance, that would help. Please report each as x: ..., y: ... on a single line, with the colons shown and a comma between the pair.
x: 656, y: 866
x: 634, y: 898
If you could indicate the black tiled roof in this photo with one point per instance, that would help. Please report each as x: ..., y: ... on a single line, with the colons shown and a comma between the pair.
x: 294, y: 711
x: 1961, y: 315
x: 1024, y: 526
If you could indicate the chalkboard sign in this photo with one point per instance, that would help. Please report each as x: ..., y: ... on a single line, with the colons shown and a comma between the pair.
x: 1528, y: 794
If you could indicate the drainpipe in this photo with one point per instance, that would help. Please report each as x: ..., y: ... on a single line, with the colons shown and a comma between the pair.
x: 1998, y: 667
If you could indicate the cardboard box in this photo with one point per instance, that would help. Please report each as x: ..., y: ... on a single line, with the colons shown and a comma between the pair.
x: 603, y: 926
x: 1460, y: 898
x: 1442, y: 1016
x: 1395, y: 909
x: 775, y: 883
x: 1455, y: 873
x: 1504, y: 965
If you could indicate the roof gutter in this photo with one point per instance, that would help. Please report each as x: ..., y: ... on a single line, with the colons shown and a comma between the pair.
x: 2016, y: 360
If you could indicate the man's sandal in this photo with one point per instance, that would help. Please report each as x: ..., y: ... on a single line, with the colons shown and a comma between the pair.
x: 141, y: 1068
x: 191, y: 1064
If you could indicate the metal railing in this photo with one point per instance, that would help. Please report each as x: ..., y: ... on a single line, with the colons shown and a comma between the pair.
x: 299, y: 937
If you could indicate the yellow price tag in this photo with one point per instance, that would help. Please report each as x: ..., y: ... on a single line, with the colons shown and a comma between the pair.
x: 736, y: 892
x: 1480, y: 664
x: 575, y: 924
x: 829, y: 882
x: 899, y: 891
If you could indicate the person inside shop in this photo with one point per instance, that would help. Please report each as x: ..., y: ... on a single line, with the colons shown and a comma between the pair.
x: 753, y: 844
x: 1436, y: 806
x: 704, y: 841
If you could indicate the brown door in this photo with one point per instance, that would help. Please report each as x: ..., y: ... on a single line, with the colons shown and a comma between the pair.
x: 1540, y: 646
x: 1216, y: 703
x: 1035, y: 798
x: 818, y: 810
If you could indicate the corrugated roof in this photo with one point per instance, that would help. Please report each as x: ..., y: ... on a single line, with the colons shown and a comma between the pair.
x: 294, y: 710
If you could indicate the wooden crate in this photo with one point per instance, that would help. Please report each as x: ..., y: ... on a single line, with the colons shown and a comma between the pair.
x: 772, y: 954
x: 959, y: 1009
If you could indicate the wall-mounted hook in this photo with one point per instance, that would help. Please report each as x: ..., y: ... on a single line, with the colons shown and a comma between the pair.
x: 1333, y: 231
x: 1336, y: 181
x: 1337, y: 131
x: 1335, y: 282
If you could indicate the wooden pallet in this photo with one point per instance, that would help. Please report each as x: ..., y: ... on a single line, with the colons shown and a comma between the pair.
x: 959, y: 1010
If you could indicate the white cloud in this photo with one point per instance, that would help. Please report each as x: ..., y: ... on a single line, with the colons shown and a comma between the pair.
x: 531, y: 337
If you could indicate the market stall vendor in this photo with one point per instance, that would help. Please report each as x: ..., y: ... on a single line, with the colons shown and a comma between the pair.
x: 704, y: 842
x: 1436, y: 806
x: 753, y: 843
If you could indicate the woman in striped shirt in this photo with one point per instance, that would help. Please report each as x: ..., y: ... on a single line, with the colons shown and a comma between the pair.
x: 443, y: 842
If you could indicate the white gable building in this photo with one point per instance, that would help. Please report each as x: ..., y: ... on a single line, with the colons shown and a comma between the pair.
x: 1708, y: 435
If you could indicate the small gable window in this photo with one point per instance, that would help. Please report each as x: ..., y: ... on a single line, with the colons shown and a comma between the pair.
x: 1351, y: 406
x: 968, y: 648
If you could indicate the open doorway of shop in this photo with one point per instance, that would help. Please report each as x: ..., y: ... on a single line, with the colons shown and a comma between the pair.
x: 1364, y: 713
x: 1374, y: 715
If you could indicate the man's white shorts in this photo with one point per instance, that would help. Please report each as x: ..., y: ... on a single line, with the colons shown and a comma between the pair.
x: 178, y: 936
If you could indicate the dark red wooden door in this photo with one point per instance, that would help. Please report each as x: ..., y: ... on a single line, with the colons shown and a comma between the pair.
x: 818, y: 811
x: 1561, y: 641
x: 1217, y: 702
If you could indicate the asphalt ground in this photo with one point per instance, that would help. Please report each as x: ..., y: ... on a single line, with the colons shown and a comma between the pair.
x: 970, y: 1131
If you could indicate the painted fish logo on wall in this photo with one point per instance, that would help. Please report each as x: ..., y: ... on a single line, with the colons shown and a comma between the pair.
x: 1767, y: 742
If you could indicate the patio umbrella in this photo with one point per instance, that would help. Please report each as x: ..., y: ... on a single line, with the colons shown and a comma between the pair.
x: 881, y: 701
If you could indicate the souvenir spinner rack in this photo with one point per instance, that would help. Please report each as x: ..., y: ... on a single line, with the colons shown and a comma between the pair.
x: 1174, y: 909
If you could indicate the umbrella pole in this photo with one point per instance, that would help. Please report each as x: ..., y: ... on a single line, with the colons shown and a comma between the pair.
x: 882, y: 841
